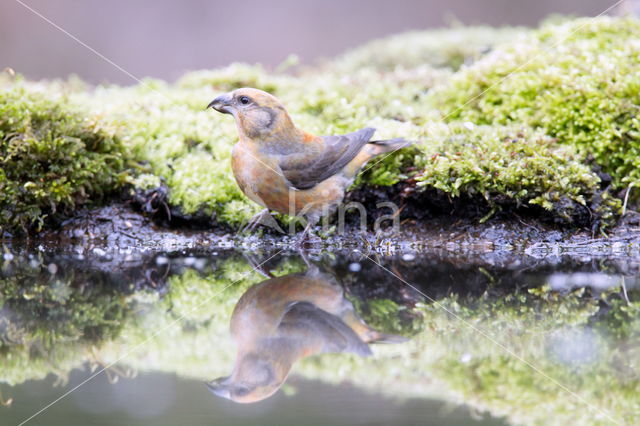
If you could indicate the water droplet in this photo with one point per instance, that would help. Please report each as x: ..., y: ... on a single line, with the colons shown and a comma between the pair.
x: 52, y: 268
x: 355, y: 267
x: 408, y: 257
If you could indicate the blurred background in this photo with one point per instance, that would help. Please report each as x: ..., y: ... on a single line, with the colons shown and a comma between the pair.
x: 166, y: 38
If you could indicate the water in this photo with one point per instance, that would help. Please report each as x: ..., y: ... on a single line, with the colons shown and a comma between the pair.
x: 127, y: 336
x: 176, y: 401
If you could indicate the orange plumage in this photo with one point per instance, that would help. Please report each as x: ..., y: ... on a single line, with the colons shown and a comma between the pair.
x: 281, y: 320
x: 288, y: 170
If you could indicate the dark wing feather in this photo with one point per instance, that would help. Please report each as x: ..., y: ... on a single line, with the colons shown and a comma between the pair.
x: 338, y: 152
x: 307, y: 322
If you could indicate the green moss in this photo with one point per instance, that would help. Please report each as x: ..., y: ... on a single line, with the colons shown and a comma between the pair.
x: 468, y: 353
x: 526, y: 122
x: 53, y: 158
x: 48, y: 322
x: 576, y: 81
x: 198, y: 299
x: 465, y: 352
x: 442, y: 48
x: 233, y: 77
x: 509, y: 165
x: 387, y: 316
x: 167, y: 128
x: 552, y: 333
x: 508, y: 161
x: 46, y: 310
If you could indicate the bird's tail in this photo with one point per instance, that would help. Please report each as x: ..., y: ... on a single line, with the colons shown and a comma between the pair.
x: 388, y: 145
x: 366, y: 333
x: 373, y: 149
x: 374, y: 336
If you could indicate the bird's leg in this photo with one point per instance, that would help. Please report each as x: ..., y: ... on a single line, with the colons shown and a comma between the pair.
x: 312, y: 269
x: 307, y: 231
x: 305, y: 258
x: 256, y: 266
x: 261, y: 218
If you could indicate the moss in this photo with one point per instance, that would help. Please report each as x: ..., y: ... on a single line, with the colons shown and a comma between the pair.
x: 554, y: 335
x: 168, y: 129
x: 232, y: 77
x: 510, y: 165
x: 468, y: 354
x: 53, y: 322
x: 512, y: 161
x: 529, y: 122
x: 53, y: 158
x: 456, y: 356
x: 191, y: 295
x: 387, y: 316
x: 48, y: 321
x: 576, y: 81
x: 46, y: 309
x: 441, y: 48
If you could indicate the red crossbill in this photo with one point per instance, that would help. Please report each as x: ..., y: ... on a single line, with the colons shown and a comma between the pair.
x: 286, y: 169
x: 280, y: 320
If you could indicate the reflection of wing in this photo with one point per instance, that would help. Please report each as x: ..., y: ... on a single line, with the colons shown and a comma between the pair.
x: 305, y: 322
x: 338, y: 152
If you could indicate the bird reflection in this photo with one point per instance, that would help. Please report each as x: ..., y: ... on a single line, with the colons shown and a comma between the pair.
x: 281, y: 320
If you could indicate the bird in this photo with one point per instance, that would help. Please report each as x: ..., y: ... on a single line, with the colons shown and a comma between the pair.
x: 283, y: 319
x: 290, y: 171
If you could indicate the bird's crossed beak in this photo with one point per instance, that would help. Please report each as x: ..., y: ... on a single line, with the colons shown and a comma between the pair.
x: 221, y: 104
x: 220, y: 386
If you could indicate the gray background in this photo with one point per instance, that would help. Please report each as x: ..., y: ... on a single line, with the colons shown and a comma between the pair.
x: 166, y: 38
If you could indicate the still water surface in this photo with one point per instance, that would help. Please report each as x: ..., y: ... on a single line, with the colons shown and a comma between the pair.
x: 267, y: 337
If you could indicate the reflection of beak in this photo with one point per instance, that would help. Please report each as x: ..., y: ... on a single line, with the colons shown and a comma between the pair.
x: 220, y: 386
x: 221, y: 104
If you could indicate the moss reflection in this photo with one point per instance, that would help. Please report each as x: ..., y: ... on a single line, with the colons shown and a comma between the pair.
x: 588, y: 342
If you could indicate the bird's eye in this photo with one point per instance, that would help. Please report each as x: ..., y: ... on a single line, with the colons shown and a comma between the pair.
x: 244, y: 100
x: 242, y: 391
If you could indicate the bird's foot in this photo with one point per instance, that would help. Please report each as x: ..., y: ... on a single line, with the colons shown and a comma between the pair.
x: 263, y: 218
x: 305, y: 236
x: 257, y: 266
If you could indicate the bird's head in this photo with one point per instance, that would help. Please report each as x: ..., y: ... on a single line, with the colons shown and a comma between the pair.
x: 258, y: 114
x: 252, y: 380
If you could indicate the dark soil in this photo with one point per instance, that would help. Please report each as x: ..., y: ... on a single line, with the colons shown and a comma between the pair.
x: 500, y: 239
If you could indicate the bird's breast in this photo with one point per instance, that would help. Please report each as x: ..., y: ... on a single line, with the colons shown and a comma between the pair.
x: 259, y: 177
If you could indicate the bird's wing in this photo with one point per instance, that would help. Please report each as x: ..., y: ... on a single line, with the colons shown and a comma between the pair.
x: 304, y: 172
x: 305, y: 322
